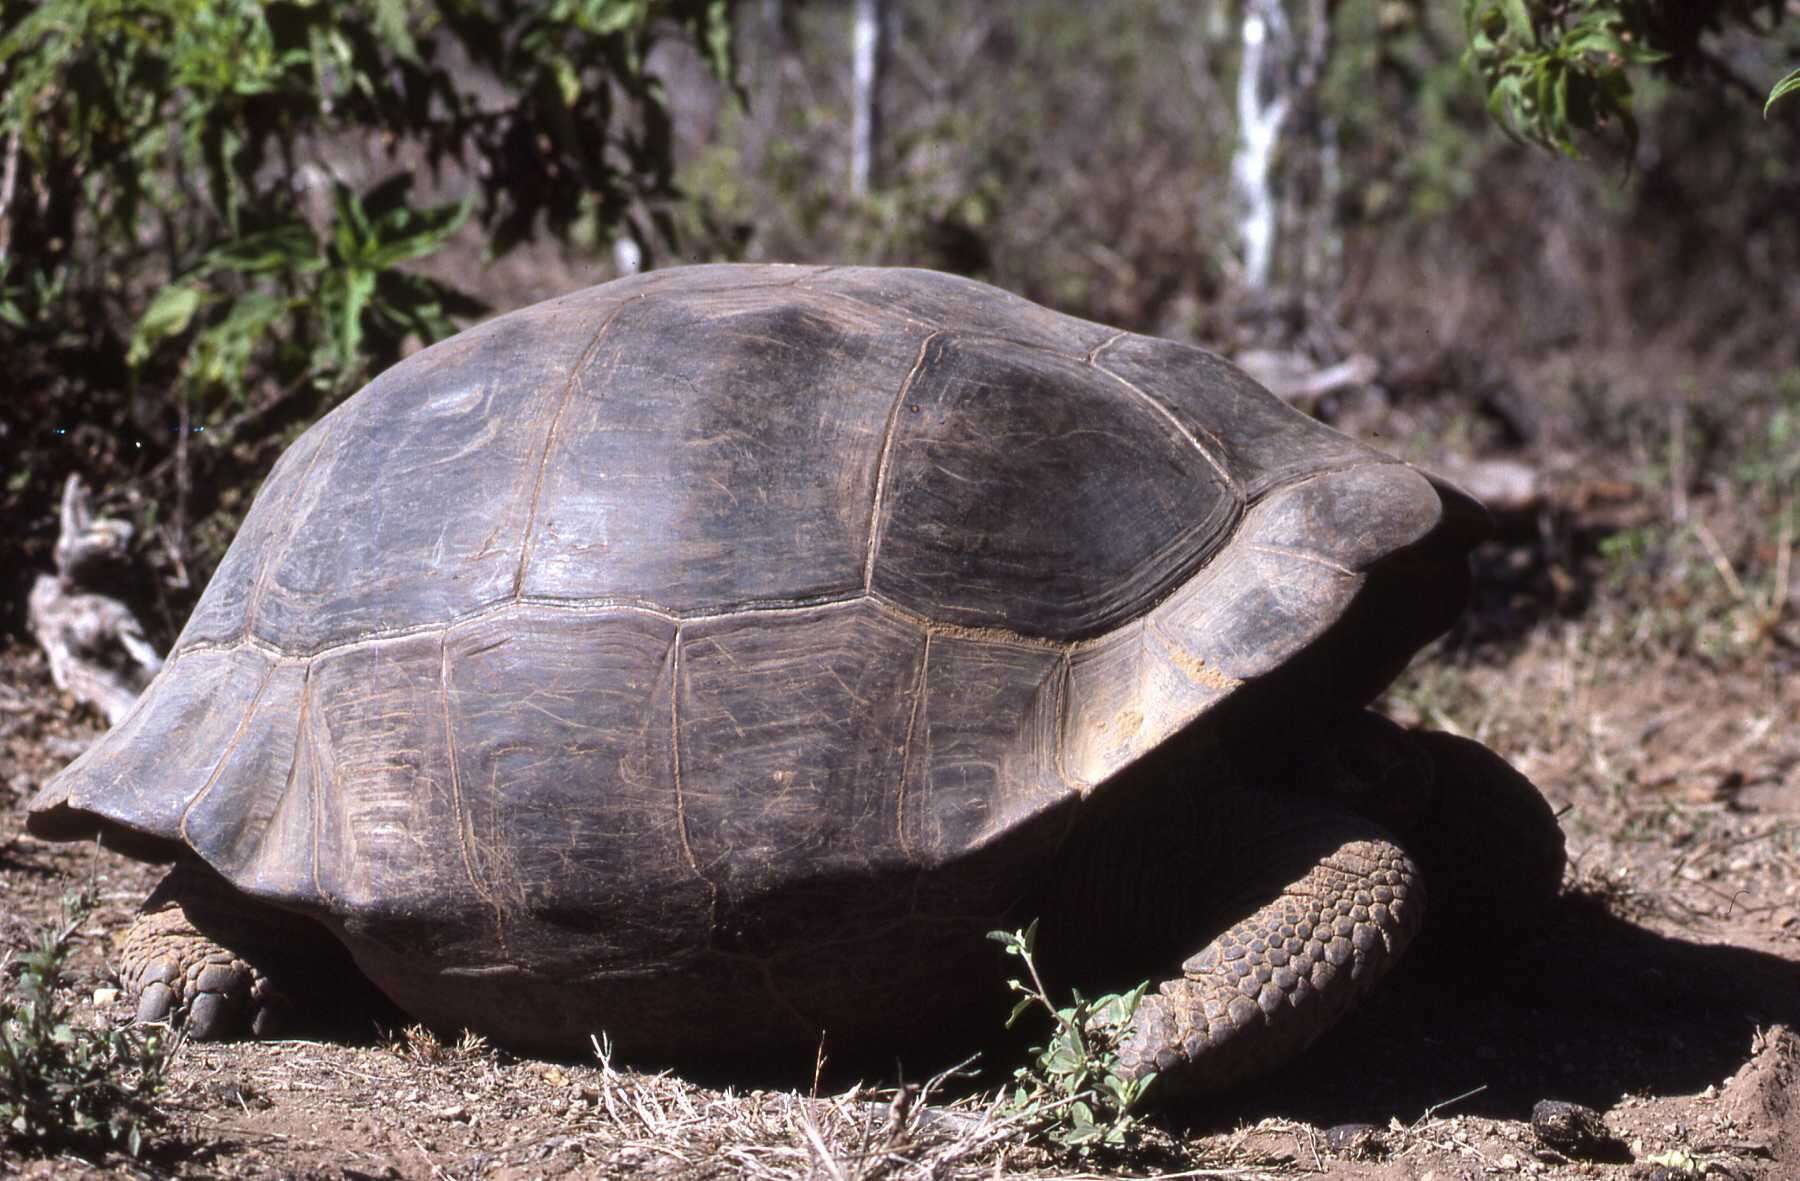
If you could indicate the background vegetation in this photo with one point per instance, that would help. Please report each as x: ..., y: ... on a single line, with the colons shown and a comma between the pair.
x: 218, y: 217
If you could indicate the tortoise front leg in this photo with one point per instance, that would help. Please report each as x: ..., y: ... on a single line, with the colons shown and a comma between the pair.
x: 1346, y: 900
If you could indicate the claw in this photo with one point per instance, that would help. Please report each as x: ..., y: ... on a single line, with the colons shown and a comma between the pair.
x: 182, y: 976
x: 156, y: 1003
x: 214, y: 1017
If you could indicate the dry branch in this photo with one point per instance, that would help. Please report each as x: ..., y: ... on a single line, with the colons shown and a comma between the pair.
x: 97, y: 649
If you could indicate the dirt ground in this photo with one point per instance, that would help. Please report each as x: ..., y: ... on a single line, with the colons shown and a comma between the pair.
x: 1633, y: 652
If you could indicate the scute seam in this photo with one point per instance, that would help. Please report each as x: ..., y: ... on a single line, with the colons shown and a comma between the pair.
x: 465, y: 835
x: 502, y: 606
x: 1064, y: 676
x: 681, y: 820
x: 985, y: 634
x: 906, y: 749
x: 883, y: 464
x: 1211, y: 450
x: 959, y: 334
x: 1299, y: 555
x: 231, y: 745
x: 543, y: 462
x: 1324, y: 472
x: 303, y: 749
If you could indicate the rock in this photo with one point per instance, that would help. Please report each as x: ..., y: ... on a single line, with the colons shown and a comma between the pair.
x: 1356, y: 1141
x: 1576, y: 1131
x: 1508, y: 487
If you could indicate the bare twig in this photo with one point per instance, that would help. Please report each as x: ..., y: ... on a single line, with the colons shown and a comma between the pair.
x: 9, y: 179
x: 1432, y: 1111
x: 1720, y: 562
x: 1678, y: 501
x: 1784, y: 556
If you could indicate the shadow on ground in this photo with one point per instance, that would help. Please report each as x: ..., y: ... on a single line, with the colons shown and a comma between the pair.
x: 1538, y: 567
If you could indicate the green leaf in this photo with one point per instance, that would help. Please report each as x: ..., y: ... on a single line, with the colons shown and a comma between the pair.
x: 358, y: 286
x: 405, y: 234
x: 290, y: 248
x: 169, y: 314
x: 390, y: 18
x: 1595, y: 39
x: 222, y: 354
x: 1783, y: 88
x: 1518, y: 21
x: 718, y: 38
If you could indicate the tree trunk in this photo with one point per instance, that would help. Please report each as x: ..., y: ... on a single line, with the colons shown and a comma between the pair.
x: 868, y: 48
x: 1263, y: 101
x: 1282, y: 63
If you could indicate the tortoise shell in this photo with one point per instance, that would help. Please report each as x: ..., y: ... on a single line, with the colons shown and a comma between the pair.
x: 716, y: 651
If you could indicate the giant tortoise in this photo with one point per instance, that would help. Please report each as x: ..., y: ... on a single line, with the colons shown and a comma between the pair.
x: 710, y: 658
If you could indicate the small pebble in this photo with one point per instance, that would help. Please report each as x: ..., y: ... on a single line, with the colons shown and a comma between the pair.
x: 1356, y: 1141
x: 1574, y: 1130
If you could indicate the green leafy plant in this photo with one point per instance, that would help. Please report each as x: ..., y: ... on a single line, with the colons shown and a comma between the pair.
x: 1548, y: 74
x: 1552, y: 68
x: 1072, y: 1091
x: 347, y: 284
x: 210, y: 230
x: 63, y: 1084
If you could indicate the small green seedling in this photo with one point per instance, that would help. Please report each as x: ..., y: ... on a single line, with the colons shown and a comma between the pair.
x: 1072, y: 1092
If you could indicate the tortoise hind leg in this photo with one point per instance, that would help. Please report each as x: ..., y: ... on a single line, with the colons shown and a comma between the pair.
x: 179, y: 975
x: 1346, y: 902
x: 207, y: 958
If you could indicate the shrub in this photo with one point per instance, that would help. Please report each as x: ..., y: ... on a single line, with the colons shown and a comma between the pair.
x: 64, y: 1084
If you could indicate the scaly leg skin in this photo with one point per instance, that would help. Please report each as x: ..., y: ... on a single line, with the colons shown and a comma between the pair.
x: 1261, y: 992
x: 178, y: 973
x: 180, y: 976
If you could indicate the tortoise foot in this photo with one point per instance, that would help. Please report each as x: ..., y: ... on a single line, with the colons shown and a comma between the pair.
x: 200, y: 957
x: 183, y: 977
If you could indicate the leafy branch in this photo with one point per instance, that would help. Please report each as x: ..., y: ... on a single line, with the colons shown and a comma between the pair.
x: 1072, y: 1091
x: 1549, y: 74
x: 1554, y: 68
